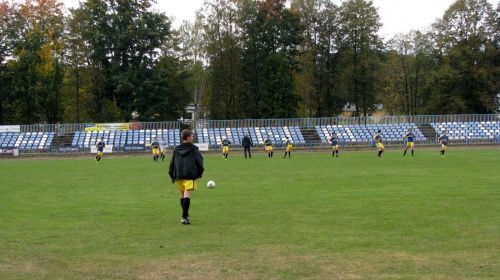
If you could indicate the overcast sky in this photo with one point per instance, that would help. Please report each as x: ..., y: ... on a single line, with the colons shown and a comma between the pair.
x: 398, y: 16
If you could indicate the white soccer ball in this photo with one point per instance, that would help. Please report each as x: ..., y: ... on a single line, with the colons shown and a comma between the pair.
x: 211, y: 184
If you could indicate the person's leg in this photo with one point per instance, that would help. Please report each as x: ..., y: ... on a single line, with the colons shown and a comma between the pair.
x: 185, y: 206
x: 182, y: 200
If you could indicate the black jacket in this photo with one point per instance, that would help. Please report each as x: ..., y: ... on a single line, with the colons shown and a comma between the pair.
x: 186, y: 163
x: 246, y: 142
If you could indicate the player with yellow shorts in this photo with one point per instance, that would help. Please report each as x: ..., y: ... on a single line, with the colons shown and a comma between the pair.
x: 289, y: 147
x: 185, y: 185
x: 409, y: 141
x: 225, y: 147
x: 443, y: 139
x: 269, y: 146
x: 378, y: 138
x: 334, y: 141
x: 100, y: 149
x: 155, y: 145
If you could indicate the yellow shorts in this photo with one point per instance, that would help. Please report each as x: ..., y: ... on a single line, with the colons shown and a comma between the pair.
x: 335, y: 147
x: 185, y: 185
x: 156, y: 151
x: 163, y: 150
x: 99, y: 153
x: 409, y: 144
x: 380, y: 145
x: 269, y: 148
x: 225, y: 149
x: 289, y: 148
x: 444, y: 147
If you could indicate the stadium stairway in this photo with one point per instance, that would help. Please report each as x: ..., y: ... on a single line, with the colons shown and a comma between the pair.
x: 62, y: 139
x: 427, y: 130
x: 310, y: 134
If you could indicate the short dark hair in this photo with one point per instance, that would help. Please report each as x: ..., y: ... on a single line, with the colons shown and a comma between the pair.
x: 185, y: 134
x: 379, y: 131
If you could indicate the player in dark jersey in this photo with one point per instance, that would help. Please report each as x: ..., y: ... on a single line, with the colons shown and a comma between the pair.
x: 269, y: 147
x: 334, y: 141
x: 225, y: 147
x: 410, y: 136
x: 443, y: 139
x: 100, y: 149
x: 378, y: 138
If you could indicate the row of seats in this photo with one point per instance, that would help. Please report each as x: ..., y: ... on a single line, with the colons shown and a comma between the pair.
x: 257, y: 134
x: 347, y: 133
x: 470, y: 130
x: 365, y: 133
x: 122, y: 138
x: 26, y: 140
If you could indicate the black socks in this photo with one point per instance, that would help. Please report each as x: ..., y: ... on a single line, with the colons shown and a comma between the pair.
x: 185, y: 207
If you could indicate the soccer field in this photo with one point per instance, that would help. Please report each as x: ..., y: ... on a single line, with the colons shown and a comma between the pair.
x: 308, y: 217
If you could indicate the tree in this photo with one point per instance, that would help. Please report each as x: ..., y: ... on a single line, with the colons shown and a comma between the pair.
x: 407, y: 71
x: 317, y: 70
x: 36, y: 62
x: 121, y: 41
x: 272, y: 34
x: 193, y: 52
x: 7, y: 12
x: 224, y: 89
x: 359, y: 54
x: 465, y: 81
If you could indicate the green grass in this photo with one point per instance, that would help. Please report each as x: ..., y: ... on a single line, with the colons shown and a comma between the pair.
x: 308, y: 217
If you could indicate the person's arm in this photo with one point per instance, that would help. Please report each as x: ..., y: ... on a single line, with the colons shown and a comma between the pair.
x: 198, y: 160
x: 171, y: 168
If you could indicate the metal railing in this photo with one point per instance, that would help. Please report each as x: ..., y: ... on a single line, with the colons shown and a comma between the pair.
x: 313, y: 122
x: 68, y: 129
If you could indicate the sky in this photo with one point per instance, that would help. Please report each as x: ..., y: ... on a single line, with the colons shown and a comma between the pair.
x: 397, y: 16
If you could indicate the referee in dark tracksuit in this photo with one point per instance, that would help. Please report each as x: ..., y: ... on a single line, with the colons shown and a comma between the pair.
x: 246, y: 142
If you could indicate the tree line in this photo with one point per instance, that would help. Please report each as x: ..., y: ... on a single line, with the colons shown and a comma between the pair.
x: 118, y: 60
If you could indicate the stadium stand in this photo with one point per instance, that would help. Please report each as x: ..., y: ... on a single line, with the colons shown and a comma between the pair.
x: 121, y: 138
x: 214, y: 136
x: 462, y: 129
x: 364, y: 133
x: 470, y: 130
x: 27, y: 140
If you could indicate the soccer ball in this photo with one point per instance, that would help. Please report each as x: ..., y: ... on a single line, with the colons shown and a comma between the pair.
x: 211, y: 184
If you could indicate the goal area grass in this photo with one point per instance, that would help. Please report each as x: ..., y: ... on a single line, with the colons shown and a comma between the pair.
x: 310, y: 216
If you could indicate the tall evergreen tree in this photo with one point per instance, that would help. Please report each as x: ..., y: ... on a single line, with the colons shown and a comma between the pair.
x: 359, y: 50
x: 272, y: 34
x: 315, y: 78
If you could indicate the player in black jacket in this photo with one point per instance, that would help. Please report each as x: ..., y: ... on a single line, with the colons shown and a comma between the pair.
x: 185, y: 167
